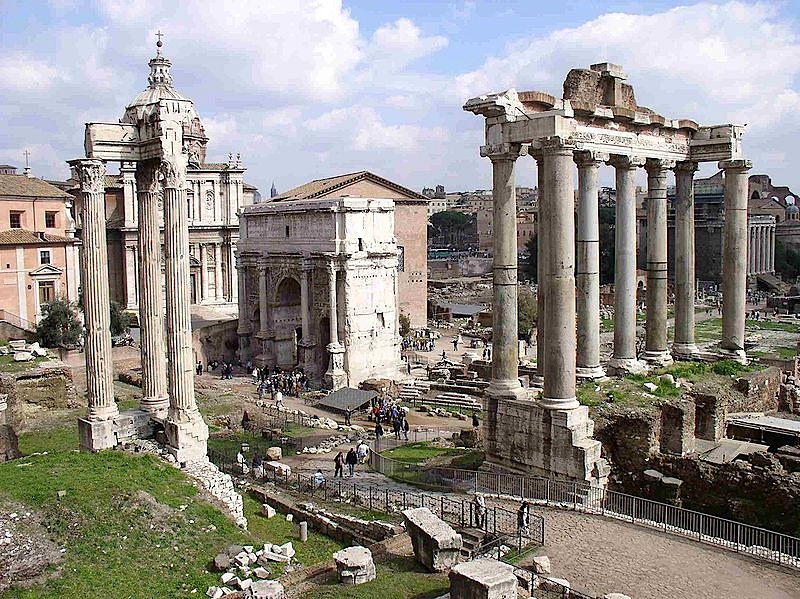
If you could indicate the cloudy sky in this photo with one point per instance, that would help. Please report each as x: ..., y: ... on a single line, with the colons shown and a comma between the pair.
x: 309, y: 89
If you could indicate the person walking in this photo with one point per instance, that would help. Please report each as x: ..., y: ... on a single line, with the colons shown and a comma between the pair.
x: 351, y: 461
x: 347, y: 413
x: 524, y: 518
x: 396, y: 428
x: 279, y: 399
x: 406, y: 428
x: 480, y: 510
x: 338, y: 462
x: 199, y: 368
x: 378, y: 430
x: 362, y: 451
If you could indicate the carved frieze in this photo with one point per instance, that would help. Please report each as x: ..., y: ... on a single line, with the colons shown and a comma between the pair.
x: 173, y: 171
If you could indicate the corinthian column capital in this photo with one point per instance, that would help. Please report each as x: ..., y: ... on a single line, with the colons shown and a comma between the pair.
x: 173, y: 170
x: 91, y: 174
x: 626, y: 162
x: 147, y: 176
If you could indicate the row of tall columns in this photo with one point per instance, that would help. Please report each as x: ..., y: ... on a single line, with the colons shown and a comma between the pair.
x: 151, y: 302
x: 205, y: 276
x: 761, y: 254
x: 683, y: 345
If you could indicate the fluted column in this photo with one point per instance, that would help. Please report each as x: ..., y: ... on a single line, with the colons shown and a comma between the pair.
x: 151, y: 299
x: 186, y: 432
x: 263, y: 316
x: 656, y: 351
x: 759, y: 249
x: 505, y: 347
x: 244, y: 328
x: 218, y: 286
x: 559, y: 376
x: 304, y: 301
x: 131, y: 292
x: 203, y: 273
x: 624, y: 359
x: 541, y: 244
x: 734, y: 258
x: 771, y: 248
x: 684, y: 347
x: 751, y: 268
x: 587, y: 267
x: 94, y: 263
x: 335, y: 377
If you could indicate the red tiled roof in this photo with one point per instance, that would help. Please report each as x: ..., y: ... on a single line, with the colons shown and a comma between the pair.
x: 24, y: 236
x: 20, y: 186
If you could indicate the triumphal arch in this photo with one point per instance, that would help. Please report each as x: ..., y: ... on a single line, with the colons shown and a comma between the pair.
x: 596, y: 121
x: 158, y: 133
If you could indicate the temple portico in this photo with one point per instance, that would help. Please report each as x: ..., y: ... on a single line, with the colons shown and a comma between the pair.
x: 597, y: 122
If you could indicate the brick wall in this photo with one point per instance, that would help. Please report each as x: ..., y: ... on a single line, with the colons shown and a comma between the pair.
x: 411, y: 230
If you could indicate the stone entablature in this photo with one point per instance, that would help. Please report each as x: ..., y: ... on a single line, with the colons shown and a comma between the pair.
x: 318, y: 288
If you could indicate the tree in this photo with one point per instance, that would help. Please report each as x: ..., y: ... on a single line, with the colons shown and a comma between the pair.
x: 787, y: 262
x: 120, y: 320
x: 530, y: 266
x: 608, y: 218
x: 59, y: 325
x: 405, y: 324
x: 526, y: 313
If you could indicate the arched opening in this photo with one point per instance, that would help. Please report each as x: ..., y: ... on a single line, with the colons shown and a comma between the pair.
x: 289, y: 293
x: 754, y: 195
x: 287, y: 319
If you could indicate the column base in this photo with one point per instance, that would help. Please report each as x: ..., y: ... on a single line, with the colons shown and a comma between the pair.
x: 685, y: 351
x: 558, y: 403
x: 187, y: 439
x: 590, y: 373
x: 625, y: 366
x: 737, y: 355
x: 506, y: 389
x: 156, y: 406
x: 96, y: 435
x: 658, y: 359
x: 536, y: 381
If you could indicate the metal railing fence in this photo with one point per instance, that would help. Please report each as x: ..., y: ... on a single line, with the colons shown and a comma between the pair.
x: 736, y: 536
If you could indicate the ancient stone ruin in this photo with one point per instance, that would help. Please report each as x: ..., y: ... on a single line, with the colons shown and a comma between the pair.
x: 596, y: 121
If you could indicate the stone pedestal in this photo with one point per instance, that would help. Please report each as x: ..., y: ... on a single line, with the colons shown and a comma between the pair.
x: 96, y: 435
x: 436, y: 545
x: 335, y: 377
x: 354, y: 565
x: 483, y: 579
x: 530, y: 439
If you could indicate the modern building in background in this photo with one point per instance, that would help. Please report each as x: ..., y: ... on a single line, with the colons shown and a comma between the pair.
x: 38, y: 247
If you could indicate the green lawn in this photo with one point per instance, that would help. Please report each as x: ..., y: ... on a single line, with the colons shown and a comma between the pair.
x: 132, y: 525
x: 416, y: 453
x: 398, y: 578
x: 7, y: 364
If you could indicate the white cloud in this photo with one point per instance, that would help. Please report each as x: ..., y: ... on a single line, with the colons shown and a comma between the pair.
x: 22, y: 73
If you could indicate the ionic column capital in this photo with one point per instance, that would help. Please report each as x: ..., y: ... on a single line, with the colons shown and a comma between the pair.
x: 173, y: 171
x: 556, y: 145
x: 735, y: 165
x: 589, y: 158
x: 658, y: 167
x: 91, y: 174
x: 685, y: 167
x: 619, y: 161
x: 147, y: 176
x: 504, y: 152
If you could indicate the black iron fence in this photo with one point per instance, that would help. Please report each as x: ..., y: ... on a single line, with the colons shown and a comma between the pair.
x: 736, y: 536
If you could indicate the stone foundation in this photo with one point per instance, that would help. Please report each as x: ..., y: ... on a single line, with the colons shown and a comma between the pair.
x: 436, y: 545
x: 123, y: 428
x: 523, y: 437
x: 187, y: 440
x: 483, y: 579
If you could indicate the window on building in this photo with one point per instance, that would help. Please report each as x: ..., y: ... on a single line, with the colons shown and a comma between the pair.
x: 401, y: 258
x: 50, y: 219
x: 287, y: 230
x: 47, y: 292
x: 15, y: 220
x: 44, y: 256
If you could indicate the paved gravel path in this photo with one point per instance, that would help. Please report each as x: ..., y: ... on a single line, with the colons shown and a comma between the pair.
x: 600, y: 555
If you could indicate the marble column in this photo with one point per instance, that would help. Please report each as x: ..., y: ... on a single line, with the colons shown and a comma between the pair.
x: 203, y: 273
x: 335, y: 377
x: 559, y: 376
x: 244, y: 329
x: 505, y: 347
x: 185, y: 430
x: 751, y: 269
x: 96, y: 430
x: 587, y: 267
x: 758, y: 249
x: 151, y: 299
x: 656, y: 351
x: 734, y: 258
x: 684, y: 347
x: 772, y: 248
x: 218, y: 286
x: 131, y: 292
x: 541, y: 244
x: 624, y: 359
x: 307, y: 343
x: 263, y: 303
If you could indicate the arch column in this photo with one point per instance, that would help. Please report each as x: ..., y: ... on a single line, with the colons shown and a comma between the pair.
x: 684, y: 347
x: 559, y: 377
x: 505, y: 347
x: 185, y: 430
x: 335, y: 377
x: 96, y: 430
x: 244, y: 328
x: 624, y: 359
x: 151, y: 300
x: 656, y: 347
x: 307, y: 343
x: 587, y: 267
x: 734, y: 258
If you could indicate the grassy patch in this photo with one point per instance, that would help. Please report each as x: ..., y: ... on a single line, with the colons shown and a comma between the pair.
x: 769, y: 325
x: 416, y: 453
x: 59, y: 439
x: 663, y: 388
x: 7, y: 364
x: 398, y: 578
x: 785, y: 352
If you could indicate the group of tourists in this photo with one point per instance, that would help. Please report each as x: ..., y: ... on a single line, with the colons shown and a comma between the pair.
x: 418, y: 344
x: 355, y: 455
x: 279, y: 383
x: 389, y: 413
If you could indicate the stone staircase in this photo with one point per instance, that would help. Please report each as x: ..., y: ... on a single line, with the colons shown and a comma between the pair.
x: 472, y: 539
x: 414, y: 391
x: 456, y: 400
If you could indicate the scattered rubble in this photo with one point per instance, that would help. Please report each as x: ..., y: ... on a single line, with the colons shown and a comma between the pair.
x: 243, y: 569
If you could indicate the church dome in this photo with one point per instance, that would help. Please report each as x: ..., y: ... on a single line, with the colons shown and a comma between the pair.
x: 792, y: 209
x: 159, y: 82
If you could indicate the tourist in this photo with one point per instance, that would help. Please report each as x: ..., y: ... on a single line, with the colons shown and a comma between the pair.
x: 199, y: 368
x: 255, y: 375
x: 479, y: 506
x: 347, y: 412
x: 524, y: 518
x: 351, y: 461
x: 396, y: 428
x: 318, y: 479
x: 406, y: 428
x: 378, y: 430
x: 260, y: 390
x: 279, y: 399
x: 475, y: 422
x: 455, y: 344
x: 258, y: 466
x: 362, y: 451
x: 338, y: 463
x: 242, y: 462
